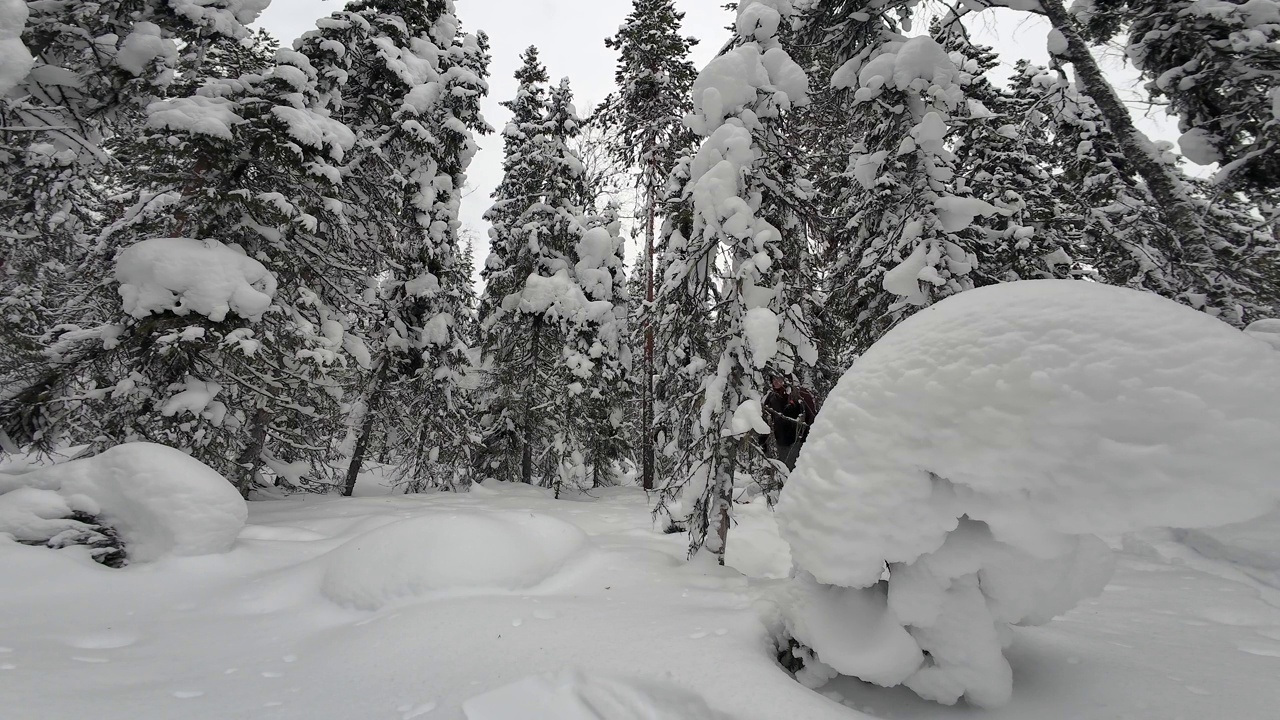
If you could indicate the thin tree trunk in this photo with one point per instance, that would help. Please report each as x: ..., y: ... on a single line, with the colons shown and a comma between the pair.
x: 722, y: 510
x: 526, y: 451
x: 646, y: 414
x: 1165, y: 187
x: 366, y: 428
x: 251, y: 459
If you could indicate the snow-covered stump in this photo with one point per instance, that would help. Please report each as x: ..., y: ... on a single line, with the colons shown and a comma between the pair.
x: 959, y: 474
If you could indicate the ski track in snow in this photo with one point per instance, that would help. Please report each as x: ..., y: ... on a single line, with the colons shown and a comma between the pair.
x: 249, y: 633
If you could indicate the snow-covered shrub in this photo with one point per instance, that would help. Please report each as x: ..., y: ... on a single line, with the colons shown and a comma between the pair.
x: 181, y: 275
x: 502, y: 552
x: 159, y: 501
x: 978, y: 448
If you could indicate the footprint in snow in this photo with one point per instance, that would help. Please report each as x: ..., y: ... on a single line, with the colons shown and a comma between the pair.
x: 107, y: 640
x: 187, y: 694
x: 87, y: 659
x: 541, y: 614
x: 699, y: 635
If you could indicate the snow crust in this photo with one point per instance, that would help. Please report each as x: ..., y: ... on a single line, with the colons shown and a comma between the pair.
x: 576, y: 695
x: 181, y: 275
x: 160, y: 500
x: 15, y: 59
x: 422, y: 556
x: 982, y: 443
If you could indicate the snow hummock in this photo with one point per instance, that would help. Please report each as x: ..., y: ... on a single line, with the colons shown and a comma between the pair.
x: 423, y: 556
x: 1268, y: 331
x: 160, y: 500
x: 979, y: 446
x: 181, y: 275
x: 576, y: 695
x: 15, y: 59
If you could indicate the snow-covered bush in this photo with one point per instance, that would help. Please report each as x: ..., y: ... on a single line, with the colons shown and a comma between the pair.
x: 159, y: 501
x: 979, y: 448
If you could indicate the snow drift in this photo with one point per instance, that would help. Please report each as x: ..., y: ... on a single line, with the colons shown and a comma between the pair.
x: 501, y: 552
x: 979, y: 447
x: 160, y: 500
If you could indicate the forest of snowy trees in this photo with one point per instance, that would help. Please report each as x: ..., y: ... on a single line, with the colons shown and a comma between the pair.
x: 253, y: 253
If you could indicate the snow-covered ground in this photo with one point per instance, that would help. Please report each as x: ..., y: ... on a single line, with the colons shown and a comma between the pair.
x: 393, y: 606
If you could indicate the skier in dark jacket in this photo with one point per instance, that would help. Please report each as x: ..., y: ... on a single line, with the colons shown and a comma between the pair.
x: 790, y: 411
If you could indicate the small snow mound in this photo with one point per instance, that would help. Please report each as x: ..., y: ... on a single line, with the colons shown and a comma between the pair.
x: 1268, y: 331
x: 182, y: 275
x: 573, y: 695
x: 438, y: 553
x: 160, y: 500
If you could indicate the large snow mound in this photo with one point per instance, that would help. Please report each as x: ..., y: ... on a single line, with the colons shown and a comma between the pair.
x: 1039, y: 407
x: 160, y: 500
x: 977, y: 450
x: 573, y: 695
x: 182, y: 275
x: 467, y: 552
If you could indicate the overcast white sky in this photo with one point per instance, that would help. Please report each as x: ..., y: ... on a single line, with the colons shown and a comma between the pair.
x: 570, y: 37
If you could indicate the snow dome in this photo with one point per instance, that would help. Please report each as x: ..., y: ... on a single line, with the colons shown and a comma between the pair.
x: 977, y: 449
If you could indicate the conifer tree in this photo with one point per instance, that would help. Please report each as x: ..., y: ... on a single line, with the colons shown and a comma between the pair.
x: 532, y: 304
x: 644, y: 119
x: 409, y: 84
x: 746, y: 240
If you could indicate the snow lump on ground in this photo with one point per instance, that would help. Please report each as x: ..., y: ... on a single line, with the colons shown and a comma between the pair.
x: 160, y: 500
x: 979, y: 447
x: 503, y: 552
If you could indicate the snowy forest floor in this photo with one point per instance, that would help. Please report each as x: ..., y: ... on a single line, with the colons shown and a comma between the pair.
x: 275, y: 627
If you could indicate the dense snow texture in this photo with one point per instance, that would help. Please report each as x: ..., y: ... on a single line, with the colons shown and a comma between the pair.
x: 979, y: 446
x: 575, y: 695
x: 182, y: 276
x: 504, y: 552
x: 629, y: 628
x: 160, y: 500
x: 15, y: 59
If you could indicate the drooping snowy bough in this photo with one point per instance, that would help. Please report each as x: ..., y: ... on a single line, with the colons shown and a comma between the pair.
x: 959, y: 474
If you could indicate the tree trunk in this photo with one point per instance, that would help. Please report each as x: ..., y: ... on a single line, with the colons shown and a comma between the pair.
x: 1179, y: 214
x: 722, y: 508
x: 366, y: 428
x: 526, y: 449
x: 251, y: 459
x: 646, y: 413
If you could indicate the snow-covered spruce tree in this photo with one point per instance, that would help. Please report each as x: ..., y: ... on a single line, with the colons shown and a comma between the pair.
x: 532, y: 303
x: 910, y: 218
x: 242, y: 204
x: 409, y: 84
x: 600, y: 355
x: 1201, y: 264
x: 643, y: 118
x: 745, y: 237
x: 93, y: 69
x: 1001, y: 149
x: 1217, y: 66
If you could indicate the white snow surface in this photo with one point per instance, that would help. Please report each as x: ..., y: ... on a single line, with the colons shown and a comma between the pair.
x: 575, y: 695
x: 15, y: 59
x: 181, y: 275
x: 628, y: 628
x: 980, y: 446
x: 503, y: 552
x: 161, y: 501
